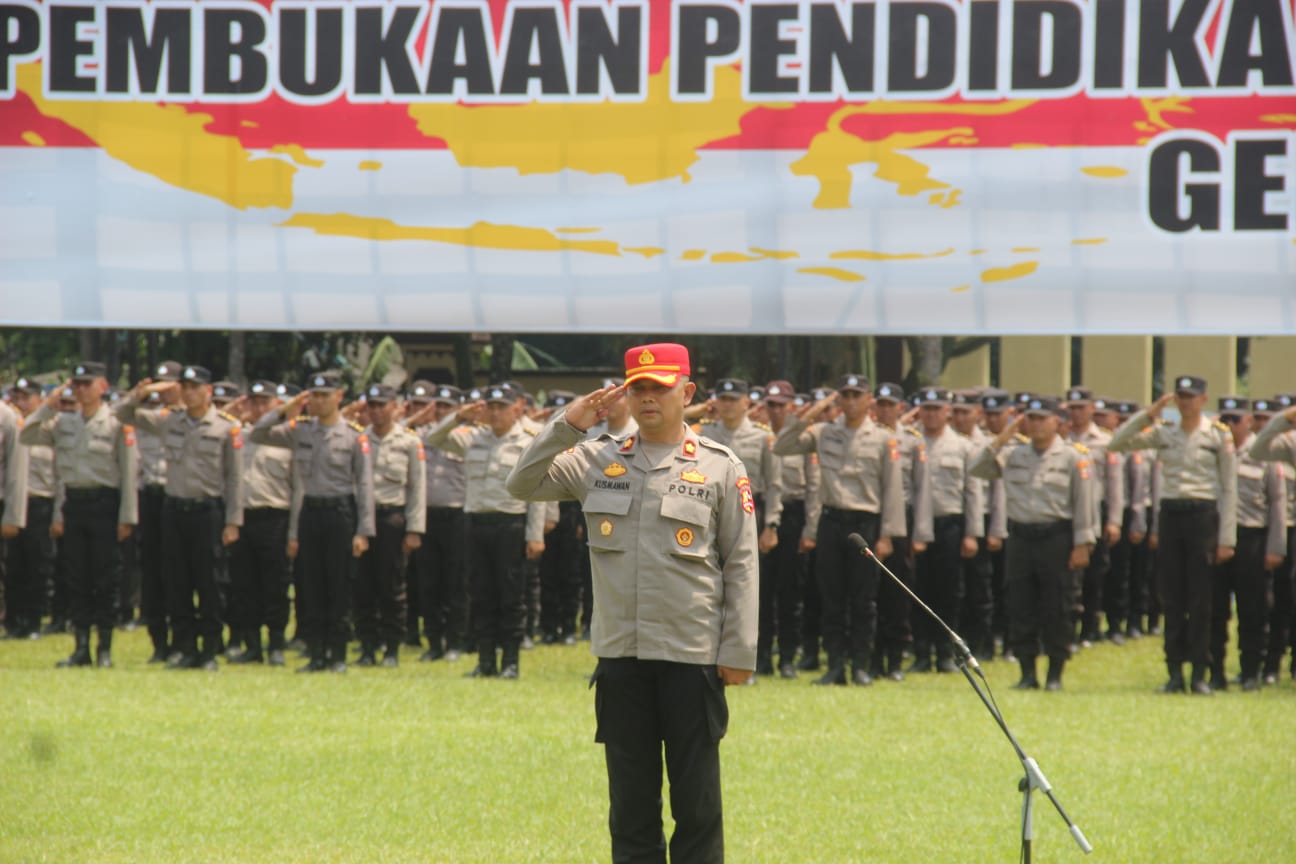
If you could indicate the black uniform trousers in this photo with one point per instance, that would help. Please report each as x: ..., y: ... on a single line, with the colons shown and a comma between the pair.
x: 325, y: 572
x: 977, y: 610
x: 643, y: 706
x: 191, y: 539
x: 848, y: 586
x: 940, y: 585
x: 1282, y: 610
x: 153, y: 608
x: 560, y: 572
x: 1118, y: 589
x: 787, y: 567
x: 380, y: 601
x: 1039, y: 589
x: 1092, y: 581
x: 90, y: 556
x: 443, y: 579
x: 260, y: 573
x: 1243, y: 576
x: 30, y: 569
x: 497, y: 554
x: 895, y: 630
x: 1189, y: 532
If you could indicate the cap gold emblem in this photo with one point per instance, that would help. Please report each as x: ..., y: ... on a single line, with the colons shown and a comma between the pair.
x: 646, y: 358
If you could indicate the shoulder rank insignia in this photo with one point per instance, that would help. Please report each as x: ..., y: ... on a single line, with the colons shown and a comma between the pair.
x: 615, y: 469
x: 225, y: 415
x: 693, y: 476
x: 628, y: 444
x: 690, y: 449
x: 356, y: 426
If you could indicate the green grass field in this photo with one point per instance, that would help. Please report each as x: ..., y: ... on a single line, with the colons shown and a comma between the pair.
x: 419, y: 764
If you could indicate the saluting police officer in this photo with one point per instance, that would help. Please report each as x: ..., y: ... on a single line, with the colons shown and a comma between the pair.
x: 1198, y: 519
x: 31, y: 551
x: 203, y: 510
x: 503, y: 530
x: 670, y: 518
x: 334, y: 515
x: 400, y: 513
x: 976, y: 613
x: 260, y: 573
x: 1261, y: 548
x: 752, y: 443
x: 958, y: 522
x: 997, y: 407
x: 561, y: 573
x: 97, y: 464
x: 1049, y: 494
x: 863, y: 492
x: 895, y: 626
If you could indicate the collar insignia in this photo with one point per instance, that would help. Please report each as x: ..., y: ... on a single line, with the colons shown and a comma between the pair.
x: 628, y: 445
x: 690, y: 449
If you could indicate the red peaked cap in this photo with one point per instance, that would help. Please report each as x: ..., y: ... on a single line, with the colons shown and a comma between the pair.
x: 663, y: 362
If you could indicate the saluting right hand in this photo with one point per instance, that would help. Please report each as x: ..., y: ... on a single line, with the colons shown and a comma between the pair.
x: 293, y: 407
x: 1158, y: 406
x: 809, y: 412
x: 585, y: 411
x: 56, y: 395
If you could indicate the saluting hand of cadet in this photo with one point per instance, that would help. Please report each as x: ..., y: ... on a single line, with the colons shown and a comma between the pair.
x: 585, y: 411
x: 293, y: 407
x: 1005, y: 434
x: 56, y: 395
x: 353, y: 409
x: 421, y: 417
x: 238, y: 408
x: 1159, y: 405
x: 471, y: 412
x: 808, y: 413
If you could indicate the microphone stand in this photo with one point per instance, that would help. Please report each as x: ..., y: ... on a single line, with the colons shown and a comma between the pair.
x: 1034, y: 778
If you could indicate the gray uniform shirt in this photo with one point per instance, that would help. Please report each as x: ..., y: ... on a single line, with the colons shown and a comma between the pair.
x: 153, y: 464
x: 751, y: 443
x: 954, y: 490
x: 672, y: 542
x: 13, y: 469
x: 267, y: 477
x: 328, y: 462
x: 1107, y: 470
x: 488, y: 459
x: 41, y: 482
x: 1137, y: 469
x: 203, y: 454
x: 1276, y: 442
x: 799, y: 479
x: 399, y: 477
x: 1041, y: 487
x: 1199, y: 464
x: 1262, y: 497
x: 860, y: 468
x: 89, y: 452
x: 917, y: 483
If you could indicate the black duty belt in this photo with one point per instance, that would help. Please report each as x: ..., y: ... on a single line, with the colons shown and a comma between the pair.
x: 325, y: 502
x: 837, y: 514
x: 389, y: 508
x: 488, y: 517
x: 1186, y: 505
x: 193, y: 505
x: 1038, y: 529
x: 90, y: 493
x: 254, y: 513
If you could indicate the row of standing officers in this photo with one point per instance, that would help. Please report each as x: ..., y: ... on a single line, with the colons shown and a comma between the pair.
x: 1027, y: 530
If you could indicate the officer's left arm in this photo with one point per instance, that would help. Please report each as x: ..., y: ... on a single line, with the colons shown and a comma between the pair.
x: 1226, y: 462
x: 415, y: 487
x: 923, y: 530
x: 813, y: 500
x: 892, y: 522
x: 15, y: 481
x: 1276, y: 497
x: 772, y: 471
x: 362, y: 471
x: 535, y: 528
x: 1083, y: 529
x: 127, y: 453
x: 233, y: 484
x: 736, y: 546
x: 973, y: 500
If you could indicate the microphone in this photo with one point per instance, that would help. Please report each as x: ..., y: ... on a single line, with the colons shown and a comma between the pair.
x: 965, y: 654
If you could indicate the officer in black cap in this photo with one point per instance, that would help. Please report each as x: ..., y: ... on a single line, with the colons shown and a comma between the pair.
x: 97, y: 463
x: 31, y: 551
x: 203, y: 509
x: 440, y: 561
x: 332, y: 459
x: 999, y: 412
x: 561, y: 574
x: 1198, y: 519
x: 225, y: 392
x: 502, y: 529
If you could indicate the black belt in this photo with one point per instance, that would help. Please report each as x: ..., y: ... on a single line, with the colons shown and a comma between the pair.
x: 496, y: 517
x: 444, y: 513
x: 948, y: 517
x: 90, y: 493
x: 154, y: 489
x: 193, y: 505
x: 254, y: 513
x: 1038, y: 529
x: 314, y: 502
x: 837, y: 514
x: 389, y: 508
x: 1186, y: 505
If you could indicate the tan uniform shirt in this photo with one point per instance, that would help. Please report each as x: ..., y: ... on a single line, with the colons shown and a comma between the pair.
x: 1262, y: 497
x: 753, y: 443
x: 917, y: 483
x: 799, y: 479
x: 488, y: 459
x: 153, y: 464
x: 1199, y: 464
x: 13, y: 469
x: 89, y: 453
x: 1137, y: 470
x: 860, y: 468
x: 1108, y: 470
x: 672, y: 542
x: 267, y: 478
x: 1055, y: 485
x: 400, y: 479
x: 328, y: 462
x: 204, y: 456
x: 41, y: 481
x: 954, y: 490
x: 1276, y: 442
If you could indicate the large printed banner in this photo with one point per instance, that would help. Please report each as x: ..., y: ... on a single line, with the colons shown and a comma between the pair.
x: 886, y: 166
